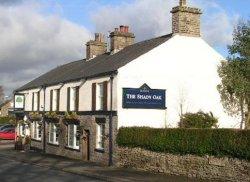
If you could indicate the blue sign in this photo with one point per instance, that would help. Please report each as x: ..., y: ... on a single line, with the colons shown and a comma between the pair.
x: 144, y: 98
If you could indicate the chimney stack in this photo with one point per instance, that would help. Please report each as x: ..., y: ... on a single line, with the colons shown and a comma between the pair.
x: 121, y: 38
x: 186, y: 20
x: 96, y: 47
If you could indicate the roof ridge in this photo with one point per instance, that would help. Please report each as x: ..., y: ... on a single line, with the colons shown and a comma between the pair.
x: 102, y: 64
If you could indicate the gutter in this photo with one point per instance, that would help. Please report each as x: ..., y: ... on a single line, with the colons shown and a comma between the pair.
x: 111, y: 121
x: 44, y: 126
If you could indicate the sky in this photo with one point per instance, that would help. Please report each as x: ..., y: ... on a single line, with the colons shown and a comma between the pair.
x: 38, y: 35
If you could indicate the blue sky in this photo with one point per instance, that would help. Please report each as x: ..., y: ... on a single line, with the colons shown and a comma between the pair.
x: 78, y: 10
x: 81, y: 11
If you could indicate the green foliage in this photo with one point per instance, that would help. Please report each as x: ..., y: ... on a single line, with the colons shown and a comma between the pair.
x: 51, y: 115
x: 6, y: 120
x: 198, y: 120
x: 216, y: 142
x: 35, y: 116
x: 235, y: 74
x: 71, y: 116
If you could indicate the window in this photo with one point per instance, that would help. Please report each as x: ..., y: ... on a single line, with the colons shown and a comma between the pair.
x: 72, y: 99
x: 100, y: 133
x: 22, y: 130
x: 99, y: 96
x: 36, y: 130
x: 35, y: 101
x: 55, y: 100
x: 53, y: 133
x: 73, y: 136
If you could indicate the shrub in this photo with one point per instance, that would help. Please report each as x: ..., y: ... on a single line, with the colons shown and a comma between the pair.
x: 198, y: 120
x: 217, y: 142
x: 5, y: 120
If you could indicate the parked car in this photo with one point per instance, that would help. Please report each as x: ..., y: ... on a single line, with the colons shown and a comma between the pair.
x: 8, y: 134
x: 6, y: 126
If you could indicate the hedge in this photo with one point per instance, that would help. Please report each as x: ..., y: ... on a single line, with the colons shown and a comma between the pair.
x: 216, y: 142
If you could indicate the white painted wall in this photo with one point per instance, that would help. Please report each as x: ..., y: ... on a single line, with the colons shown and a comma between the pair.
x: 187, y: 68
x: 85, y: 95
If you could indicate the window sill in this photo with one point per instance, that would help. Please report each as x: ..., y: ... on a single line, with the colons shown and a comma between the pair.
x: 36, y: 140
x: 100, y: 150
x: 53, y: 144
x: 71, y: 148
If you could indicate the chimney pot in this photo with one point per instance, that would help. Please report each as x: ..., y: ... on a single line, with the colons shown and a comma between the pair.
x: 122, y: 28
x: 96, y: 47
x: 99, y: 37
x: 121, y: 38
x: 126, y: 29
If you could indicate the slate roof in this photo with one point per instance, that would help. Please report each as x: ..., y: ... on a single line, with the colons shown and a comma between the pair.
x: 101, y: 65
x: 4, y: 103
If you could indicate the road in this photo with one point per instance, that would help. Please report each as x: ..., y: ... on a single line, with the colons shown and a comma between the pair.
x: 15, y: 171
x: 16, y: 166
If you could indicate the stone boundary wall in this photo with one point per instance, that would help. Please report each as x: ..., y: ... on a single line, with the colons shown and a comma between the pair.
x: 207, y: 167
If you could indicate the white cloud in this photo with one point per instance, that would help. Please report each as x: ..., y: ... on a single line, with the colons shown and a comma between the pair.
x: 32, y: 43
x: 150, y: 18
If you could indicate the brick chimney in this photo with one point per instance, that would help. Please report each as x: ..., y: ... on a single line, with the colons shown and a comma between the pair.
x: 121, y: 38
x: 186, y: 20
x: 96, y: 47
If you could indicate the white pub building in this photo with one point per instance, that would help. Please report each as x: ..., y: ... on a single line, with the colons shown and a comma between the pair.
x: 75, y: 110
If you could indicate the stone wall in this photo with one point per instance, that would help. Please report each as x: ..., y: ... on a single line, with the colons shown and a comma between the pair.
x: 186, y: 21
x: 87, y: 123
x: 207, y: 167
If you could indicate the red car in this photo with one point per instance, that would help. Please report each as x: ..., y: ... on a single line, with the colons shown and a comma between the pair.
x: 8, y: 134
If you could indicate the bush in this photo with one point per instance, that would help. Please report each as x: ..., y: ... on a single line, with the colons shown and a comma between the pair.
x: 217, y: 142
x: 5, y: 120
x: 198, y: 120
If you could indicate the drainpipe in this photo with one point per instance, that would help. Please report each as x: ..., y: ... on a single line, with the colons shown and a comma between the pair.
x: 111, y: 123
x: 44, y: 126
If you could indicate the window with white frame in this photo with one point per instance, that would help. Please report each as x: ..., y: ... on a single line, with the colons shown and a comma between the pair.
x: 36, y: 130
x: 53, y: 133
x: 35, y: 101
x: 99, y: 96
x: 73, y: 136
x: 100, y: 133
x: 55, y: 100
x: 22, y: 130
x: 73, y: 99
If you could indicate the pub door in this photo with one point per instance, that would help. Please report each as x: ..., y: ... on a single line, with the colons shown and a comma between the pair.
x: 85, y: 145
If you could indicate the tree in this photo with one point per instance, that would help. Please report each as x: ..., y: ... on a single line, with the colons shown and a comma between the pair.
x: 235, y: 75
x: 1, y: 94
x: 198, y: 120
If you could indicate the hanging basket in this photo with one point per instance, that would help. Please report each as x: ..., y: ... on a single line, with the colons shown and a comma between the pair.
x: 51, y: 117
x: 71, y: 118
x: 35, y: 116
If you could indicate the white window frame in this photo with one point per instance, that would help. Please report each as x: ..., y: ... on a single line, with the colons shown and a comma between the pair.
x: 99, y: 96
x: 72, y: 98
x: 53, y: 131
x: 22, y: 130
x: 54, y: 100
x: 76, y: 144
x: 36, y: 130
x: 35, y: 104
x: 100, y: 132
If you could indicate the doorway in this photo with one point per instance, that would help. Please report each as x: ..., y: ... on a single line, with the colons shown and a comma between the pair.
x: 85, y: 145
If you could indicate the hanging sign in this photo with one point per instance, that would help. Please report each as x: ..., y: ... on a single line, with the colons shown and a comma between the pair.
x: 144, y: 98
x: 19, y: 101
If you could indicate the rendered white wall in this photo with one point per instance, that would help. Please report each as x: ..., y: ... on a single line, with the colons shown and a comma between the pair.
x: 187, y: 68
x: 85, y: 95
